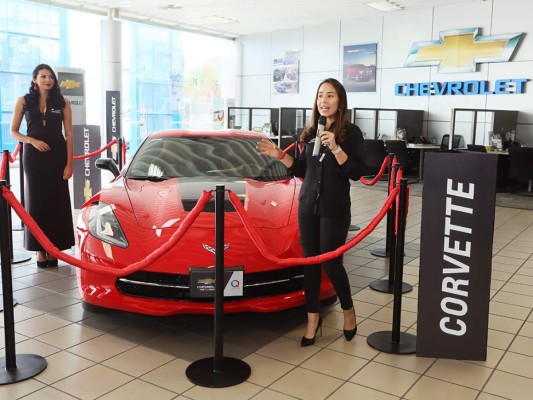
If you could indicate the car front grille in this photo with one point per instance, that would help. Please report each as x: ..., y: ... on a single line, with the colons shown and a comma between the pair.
x: 154, y: 285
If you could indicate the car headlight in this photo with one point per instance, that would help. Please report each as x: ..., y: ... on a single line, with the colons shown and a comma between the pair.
x: 104, y: 225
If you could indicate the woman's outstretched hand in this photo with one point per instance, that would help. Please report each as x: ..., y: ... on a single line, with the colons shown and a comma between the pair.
x: 266, y: 147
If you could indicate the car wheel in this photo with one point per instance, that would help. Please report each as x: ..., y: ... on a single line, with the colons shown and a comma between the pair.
x: 94, y: 309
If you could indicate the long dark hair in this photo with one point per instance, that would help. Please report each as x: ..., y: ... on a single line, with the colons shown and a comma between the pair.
x: 55, y: 98
x: 341, y: 118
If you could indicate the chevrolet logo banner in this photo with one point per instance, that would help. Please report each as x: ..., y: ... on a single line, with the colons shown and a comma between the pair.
x: 462, y: 49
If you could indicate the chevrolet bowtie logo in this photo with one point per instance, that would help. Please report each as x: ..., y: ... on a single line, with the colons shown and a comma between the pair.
x: 461, y: 50
x: 87, y: 191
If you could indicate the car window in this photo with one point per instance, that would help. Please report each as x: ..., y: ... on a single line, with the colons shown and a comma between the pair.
x: 203, y: 156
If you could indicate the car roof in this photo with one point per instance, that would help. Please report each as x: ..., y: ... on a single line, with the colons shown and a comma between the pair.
x: 213, y: 133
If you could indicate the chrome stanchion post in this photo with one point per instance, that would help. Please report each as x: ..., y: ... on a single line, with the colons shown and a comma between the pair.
x: 13, y: 368
x: 394, y: 341
x: 218, y: 371
x: 388, y: 285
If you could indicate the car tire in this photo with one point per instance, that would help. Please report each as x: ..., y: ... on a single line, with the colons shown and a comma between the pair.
x: 94, y: 309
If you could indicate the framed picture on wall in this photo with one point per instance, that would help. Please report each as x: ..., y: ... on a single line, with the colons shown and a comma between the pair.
x: 285, y: 72
x: 359, y: 67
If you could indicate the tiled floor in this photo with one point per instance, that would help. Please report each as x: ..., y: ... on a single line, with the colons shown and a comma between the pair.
x: 126, y: 356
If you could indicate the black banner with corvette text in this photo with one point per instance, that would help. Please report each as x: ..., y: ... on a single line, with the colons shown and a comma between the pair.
x: 456, y: 255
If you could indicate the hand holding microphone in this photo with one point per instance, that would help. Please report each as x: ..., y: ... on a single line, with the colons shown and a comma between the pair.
x: 320, y: 129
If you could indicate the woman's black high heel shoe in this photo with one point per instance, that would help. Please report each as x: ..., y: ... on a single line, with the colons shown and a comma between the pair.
x: 350, y: 333
x: 308, y: 342
x: 42, y: 264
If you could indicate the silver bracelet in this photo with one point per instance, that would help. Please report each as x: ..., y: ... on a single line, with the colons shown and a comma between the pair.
x: 336, y: 151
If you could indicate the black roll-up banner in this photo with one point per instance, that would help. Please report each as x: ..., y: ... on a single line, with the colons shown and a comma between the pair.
x: 112, y: 120
x: 87, y: 180
x: 456, y: 255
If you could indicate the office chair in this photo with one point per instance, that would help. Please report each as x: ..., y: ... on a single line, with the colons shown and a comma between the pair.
x: 403, y: 156
x: 457, y: 143
x: 520, y: 168
x: 375, y: 153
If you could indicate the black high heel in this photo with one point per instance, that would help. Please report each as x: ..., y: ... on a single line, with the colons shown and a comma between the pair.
x: 350, y: 333
x: 42, y: 264
x: 308, y: 342
x: 52, y: 263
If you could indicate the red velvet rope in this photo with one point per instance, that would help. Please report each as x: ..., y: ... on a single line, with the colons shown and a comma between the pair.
x: 55, y: 252
x: 289, y: 148
x: 15, y: 153
x: 384, y: 165
x: 399, y: 176
x: 314, y: 259
x: 94, y: 153
x: 3, y: 166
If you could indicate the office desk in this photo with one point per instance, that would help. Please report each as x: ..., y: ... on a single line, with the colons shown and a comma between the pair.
x: 422, y: 148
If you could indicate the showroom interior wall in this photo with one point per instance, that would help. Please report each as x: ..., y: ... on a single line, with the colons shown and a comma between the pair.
x: 321, y: 49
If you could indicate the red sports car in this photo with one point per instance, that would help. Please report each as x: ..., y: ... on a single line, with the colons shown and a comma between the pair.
x: 139, y: 210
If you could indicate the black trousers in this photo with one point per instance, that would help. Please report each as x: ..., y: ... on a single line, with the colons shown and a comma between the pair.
x: 320, y: 235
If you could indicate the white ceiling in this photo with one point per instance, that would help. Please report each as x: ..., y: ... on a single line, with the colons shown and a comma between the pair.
x: 233, y: 18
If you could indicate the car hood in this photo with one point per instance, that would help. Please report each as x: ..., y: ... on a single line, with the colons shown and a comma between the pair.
x: 162, y: 204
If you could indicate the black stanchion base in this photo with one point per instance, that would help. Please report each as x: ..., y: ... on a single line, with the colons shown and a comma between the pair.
x: 384, y: 287
x: 202, y: 372
x: 28, y: 365
x: 354, y: 228
x: 380, y: 252
x: 2, y: 304
x: 383, y: 341
x: 20, y: 257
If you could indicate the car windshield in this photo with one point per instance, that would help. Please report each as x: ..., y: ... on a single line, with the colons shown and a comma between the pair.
x: 161, y: 158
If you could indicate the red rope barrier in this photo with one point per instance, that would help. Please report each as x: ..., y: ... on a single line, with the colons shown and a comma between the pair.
x: 384, y: 165
x: 54, y: 251
x: 94, y: 153
x: 314, y: 259
x: 15, y: 153
x: 3, y: 167
x: 289, y: 148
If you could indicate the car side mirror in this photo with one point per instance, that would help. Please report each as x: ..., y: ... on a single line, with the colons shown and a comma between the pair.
x: 107, y: 164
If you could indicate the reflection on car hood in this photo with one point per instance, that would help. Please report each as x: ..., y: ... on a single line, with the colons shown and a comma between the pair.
x: 158, y: 204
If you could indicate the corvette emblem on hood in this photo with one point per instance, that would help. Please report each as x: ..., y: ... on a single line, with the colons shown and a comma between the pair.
x: 212, y: 249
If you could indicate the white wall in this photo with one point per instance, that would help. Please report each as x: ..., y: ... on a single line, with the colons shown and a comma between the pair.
x: 321, y: 49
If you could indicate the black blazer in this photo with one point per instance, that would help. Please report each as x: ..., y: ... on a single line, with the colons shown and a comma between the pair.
x: 326, y: 184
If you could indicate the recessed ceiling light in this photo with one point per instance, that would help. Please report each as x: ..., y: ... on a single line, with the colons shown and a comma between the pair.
x: 384, y: 5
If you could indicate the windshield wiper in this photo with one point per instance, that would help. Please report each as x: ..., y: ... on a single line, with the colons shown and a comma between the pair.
x: 151, y: 178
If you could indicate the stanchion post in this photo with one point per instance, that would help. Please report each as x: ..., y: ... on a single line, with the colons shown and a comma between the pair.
x: 394, y: 341
x: 385, y: 252
x: 219, y: 279
x: 19, y: 258
x: 388, y: 285
x: 218, y: 371
x: 21, y: 182
x: 13, y: 368
x: 119, y: 154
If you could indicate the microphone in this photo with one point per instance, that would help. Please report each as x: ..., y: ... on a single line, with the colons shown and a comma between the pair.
x: 321, y: 127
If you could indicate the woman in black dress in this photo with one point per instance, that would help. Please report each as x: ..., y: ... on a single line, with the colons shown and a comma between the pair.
x: 324, y: 202
x: 47, y: 160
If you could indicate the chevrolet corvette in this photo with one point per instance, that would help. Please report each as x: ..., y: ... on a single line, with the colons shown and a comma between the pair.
x: 137, y: 212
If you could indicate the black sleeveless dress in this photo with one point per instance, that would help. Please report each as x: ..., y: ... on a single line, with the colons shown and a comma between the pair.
x: 47, y: 197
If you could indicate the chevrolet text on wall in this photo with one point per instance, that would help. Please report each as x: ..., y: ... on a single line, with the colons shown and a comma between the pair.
x: 460, y: 51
